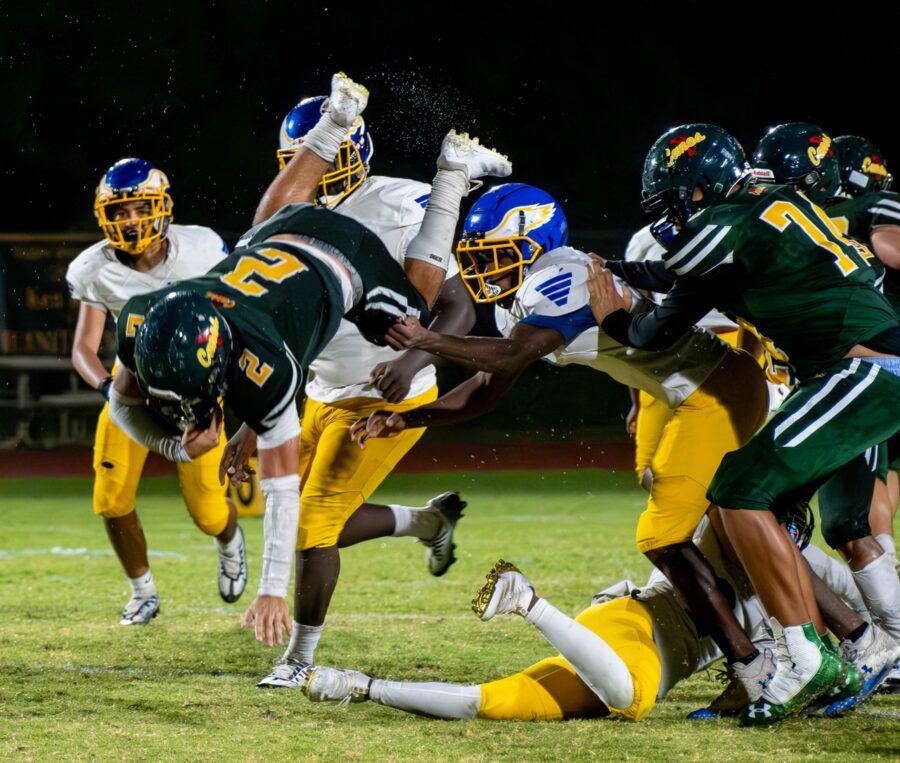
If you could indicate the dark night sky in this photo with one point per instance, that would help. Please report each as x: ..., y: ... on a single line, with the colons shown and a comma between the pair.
x: 575, y: 100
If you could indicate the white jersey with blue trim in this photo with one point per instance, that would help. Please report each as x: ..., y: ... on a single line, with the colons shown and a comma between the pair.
x: 393, y: 209
x: 643, y: 247
x: 554, y: 295
x: 100, y: 279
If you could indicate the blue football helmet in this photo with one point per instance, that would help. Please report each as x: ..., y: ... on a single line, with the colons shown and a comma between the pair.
x: 506, y: 230
x: 799, y: 154
x: 145, y: 189
x: 351, y: 165
x: 696, y: 155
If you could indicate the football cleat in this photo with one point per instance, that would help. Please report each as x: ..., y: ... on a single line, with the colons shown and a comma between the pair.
x: 333, y: 685
x: 439, y: 550
x: 140, y: 610
x: 507, y: 592
x: 837, y: 699
x: 286, y: 675
x: 461, y: 152
x: 744, y: 684
x: 233, y: 572
x: 347, y: 101
x: 873, y: 655
x: 800, y: 686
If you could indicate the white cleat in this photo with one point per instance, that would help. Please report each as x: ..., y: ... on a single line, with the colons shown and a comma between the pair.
x: 334, y: 685
x: 874, y: 655
x: 347, y: 101
x: 286, y: 675
x: 233, y: 572
x: 461, y: 152
x: 140, y: 610
x: 507, y: 592
x: 439, y: 550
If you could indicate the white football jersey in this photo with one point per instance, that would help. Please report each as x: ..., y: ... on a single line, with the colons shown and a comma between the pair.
x: 554, y: 295
x: 392, y: 208
x: 98, y: 278
x: 643, y: 247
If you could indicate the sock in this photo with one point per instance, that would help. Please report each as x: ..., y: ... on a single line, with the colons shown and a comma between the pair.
x: 595, y: 662
x: 887, y: 543
x: 438, y: 700
x: 434, y: 241
x: 143, y: 586
x: 857, y: 633
x: 749, y: 658
x: 880, y: 587
x: 415, y: 522
x: 304, y: 641
x: 231, y: 547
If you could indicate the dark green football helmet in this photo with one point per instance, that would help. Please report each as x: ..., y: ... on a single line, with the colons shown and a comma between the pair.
x: 862, y: 166
x: 182, y: 352
x: 682, y: 159
x: 799, y: 154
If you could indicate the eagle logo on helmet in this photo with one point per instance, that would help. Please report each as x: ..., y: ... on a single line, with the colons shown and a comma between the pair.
x: 683, y: 144
x: 521, y: 220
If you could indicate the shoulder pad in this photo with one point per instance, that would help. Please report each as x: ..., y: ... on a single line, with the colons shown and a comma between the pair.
x: 643, y: 247
x: 557, y: 285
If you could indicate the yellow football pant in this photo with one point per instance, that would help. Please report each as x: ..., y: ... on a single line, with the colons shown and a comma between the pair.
x: 550, y: 690
x: 119, y: 461
x: 683, y: 447
x: 337, y: 476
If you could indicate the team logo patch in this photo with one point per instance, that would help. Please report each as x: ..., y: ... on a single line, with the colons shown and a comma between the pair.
x: 556, y: 289
x: 211, y: 337
x: 219, y: 300
x: 820, y: 148
x: 683, y: 144
x: 872, y: 165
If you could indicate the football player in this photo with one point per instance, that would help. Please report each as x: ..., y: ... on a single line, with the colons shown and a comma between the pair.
x: 865, y: 209
x: 142, y: 251
x: 802, y: 155
x: 337, y: 478
x: 248, y: 331
x: 768, y: 255
x: 513, y: 253
x: 618, y: 657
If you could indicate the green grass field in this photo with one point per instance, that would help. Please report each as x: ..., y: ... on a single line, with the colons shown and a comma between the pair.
x: 76, y: 686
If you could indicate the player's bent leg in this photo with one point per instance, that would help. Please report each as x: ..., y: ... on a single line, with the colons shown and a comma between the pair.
x: 216, y: 515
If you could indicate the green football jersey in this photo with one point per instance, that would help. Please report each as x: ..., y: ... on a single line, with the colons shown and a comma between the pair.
x: 282, y: 305
x: 786, y: 269
x: 856, y: 217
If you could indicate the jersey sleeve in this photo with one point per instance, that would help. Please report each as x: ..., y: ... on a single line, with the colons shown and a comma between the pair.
x: 130, y: 320
x: 79, y: 278
x: 885, y: 209
x: 263, y: 388
x: 704, y: 246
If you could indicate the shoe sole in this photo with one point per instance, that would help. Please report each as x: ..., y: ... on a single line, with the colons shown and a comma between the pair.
x: 230, y: 597
x: 483, y: 595
x: 451, y: 506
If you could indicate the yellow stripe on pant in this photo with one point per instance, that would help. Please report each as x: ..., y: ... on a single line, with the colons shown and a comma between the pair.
x: 550, y: 690
x: 337, y: 476
x: 119, y: 461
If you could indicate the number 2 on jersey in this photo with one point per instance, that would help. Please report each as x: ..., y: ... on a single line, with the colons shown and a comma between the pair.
x: 256, y: 372
x: 780, y: 214
x: 281, y: 267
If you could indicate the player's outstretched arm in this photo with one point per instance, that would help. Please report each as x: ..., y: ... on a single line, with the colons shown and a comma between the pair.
x: 86, y: 344
x: 299, y: 179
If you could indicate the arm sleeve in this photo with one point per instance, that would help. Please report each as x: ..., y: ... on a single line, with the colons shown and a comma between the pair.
x: 133, y: 417
x: 649, y: 275
x: 282, y: 519
x: 885, y: 210
x: 687, y: 302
